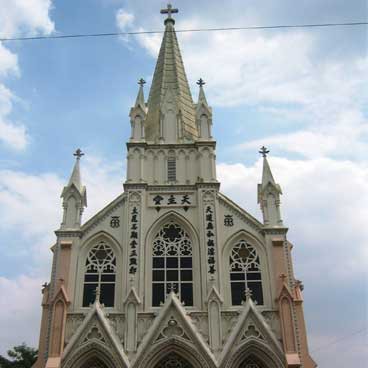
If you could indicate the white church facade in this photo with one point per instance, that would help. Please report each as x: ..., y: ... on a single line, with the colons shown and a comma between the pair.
x: 172, y: 273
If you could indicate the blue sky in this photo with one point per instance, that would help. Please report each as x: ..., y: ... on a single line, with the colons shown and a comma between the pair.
x: 302, y: 92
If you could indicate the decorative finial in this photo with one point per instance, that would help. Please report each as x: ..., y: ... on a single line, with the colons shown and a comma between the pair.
x: 172, y: 288
x: 78, y: 154
x: 264, y: 151
x: 97, y: 294
x: 248, y: 293
x: 169, y: 10
x: 45, y: 285
x: 141, y: 82
x: 201, y: 82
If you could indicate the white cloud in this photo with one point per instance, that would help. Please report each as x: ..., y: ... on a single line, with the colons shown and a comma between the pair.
x: 323, y: 205
x: 37, y: 197
x: 281, y: 74
x: 12, y: 134
x: 17, y: 17
x: 8, y: 62
x: 25, y: 16
x: 21, y: 310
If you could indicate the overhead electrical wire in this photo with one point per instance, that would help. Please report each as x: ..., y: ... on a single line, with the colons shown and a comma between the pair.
x: 343, y: 338
x: 132, y: 33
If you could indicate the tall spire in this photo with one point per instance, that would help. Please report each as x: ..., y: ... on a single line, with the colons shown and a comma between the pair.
x: 269, y: 194
x: 170, y: 81
x: 139, y: 102
x: 74, y: 197
x: 75, y: 178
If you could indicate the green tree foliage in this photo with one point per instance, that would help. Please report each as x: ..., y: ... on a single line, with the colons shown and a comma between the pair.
x: 21, y: 356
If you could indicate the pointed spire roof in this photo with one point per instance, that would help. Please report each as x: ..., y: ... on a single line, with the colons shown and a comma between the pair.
x: 139, y: 102
x: 75, y: 178
x: 201, y: 96
x: 267, y: 177
x: 170, y: 74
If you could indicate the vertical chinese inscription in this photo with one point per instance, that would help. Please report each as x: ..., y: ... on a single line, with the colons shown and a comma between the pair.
x: 134, y: 231
x: 210, y: 231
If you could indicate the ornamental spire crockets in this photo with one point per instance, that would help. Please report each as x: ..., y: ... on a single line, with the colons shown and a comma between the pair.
x: 74, y: 197
x: 171, y: 112
x: 269, y: 194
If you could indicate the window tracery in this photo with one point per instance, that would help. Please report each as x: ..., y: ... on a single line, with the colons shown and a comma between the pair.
x: 172, y: 264
x: 100, y: 271
x: 173, y: 361
x: 245, y: 273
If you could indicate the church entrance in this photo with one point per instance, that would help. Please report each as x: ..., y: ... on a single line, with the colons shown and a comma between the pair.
x: 251, y: 362
x: 94, y: 363
x: 173, y: 361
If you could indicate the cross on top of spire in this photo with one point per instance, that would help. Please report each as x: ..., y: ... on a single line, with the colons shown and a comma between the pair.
x: 78, y: 153
x: 141, y: 82
x: 201, y: 82
x: 264, y: 151
x: 169, y: 10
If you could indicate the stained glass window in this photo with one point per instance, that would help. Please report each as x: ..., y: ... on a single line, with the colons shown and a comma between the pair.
x: 172, y: 264
x: 100, y: 271
x: 245, y: 272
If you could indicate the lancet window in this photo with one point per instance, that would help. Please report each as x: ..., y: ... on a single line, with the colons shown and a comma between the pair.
x: 100, y: 271
x: 245, y: 273
x: 172, y: 264
x: 173, y: 361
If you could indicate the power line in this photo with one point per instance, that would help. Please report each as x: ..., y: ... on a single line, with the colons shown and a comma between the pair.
x: 339, y: 340
x: 83, y: 35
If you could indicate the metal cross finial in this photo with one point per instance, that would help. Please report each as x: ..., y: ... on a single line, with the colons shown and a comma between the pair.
x: 264, y: 151
x: 201, y: 82
x: 141, y: 82
x: 169, y: 10
x: 78, y: 153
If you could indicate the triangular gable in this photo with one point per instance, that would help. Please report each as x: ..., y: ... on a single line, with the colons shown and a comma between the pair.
x: 285, y: 291
x: 61, y: 294
x: 104, y: 213
x: 250, y: 325
x: 247, y: 217
x: 173, y: 322
x: 132, y: 297
x: 96, y: 327
x: 214, y: 295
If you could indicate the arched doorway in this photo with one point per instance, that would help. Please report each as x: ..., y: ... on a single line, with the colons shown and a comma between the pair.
x: 173, y: 360
x: 94, y: 363
x: 252, y: 362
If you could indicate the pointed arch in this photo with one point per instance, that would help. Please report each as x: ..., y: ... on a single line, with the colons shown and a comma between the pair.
x: 256, y: 350
x: 101, y: 237
x: 175, y: 218
x: 260, y: 249
x: 177, y: 346
x: 91, y: 352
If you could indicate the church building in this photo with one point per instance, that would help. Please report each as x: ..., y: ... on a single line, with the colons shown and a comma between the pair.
x: 172, y: 273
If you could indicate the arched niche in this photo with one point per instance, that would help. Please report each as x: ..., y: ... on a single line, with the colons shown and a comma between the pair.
x: 92, y: 355
x: 254, y: 352
x: 120, y: 283
x: 264, y: 262
x: 183, y: 350
x: 172, y: 216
